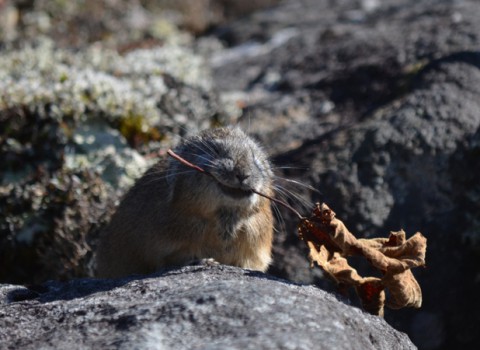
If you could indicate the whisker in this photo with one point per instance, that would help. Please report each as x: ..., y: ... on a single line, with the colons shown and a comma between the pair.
x: 157, y: 178
x: 209, y: 161
x: 292, y: 196
x: 279, y: 201
x: 206, y: 149
x: 290, y: 167
x: 279, y: 218
x: 309, y: 187
x: 187, y: 163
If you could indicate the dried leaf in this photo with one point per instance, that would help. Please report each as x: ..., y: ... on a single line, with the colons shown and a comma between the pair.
x: 330, y: 243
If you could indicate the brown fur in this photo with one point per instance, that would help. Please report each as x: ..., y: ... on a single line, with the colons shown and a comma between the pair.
x: 171, y: 217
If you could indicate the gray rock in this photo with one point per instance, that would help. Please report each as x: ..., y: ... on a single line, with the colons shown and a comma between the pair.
x: 195, y: 307
x: 374, y: 103
x: 397, y: 147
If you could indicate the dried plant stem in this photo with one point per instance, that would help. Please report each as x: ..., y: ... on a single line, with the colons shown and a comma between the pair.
x: 282, y: 203
x: 196, y: 167
x: 185, y: 162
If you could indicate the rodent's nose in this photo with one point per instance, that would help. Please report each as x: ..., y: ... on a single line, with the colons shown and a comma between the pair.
x: 242, y: 176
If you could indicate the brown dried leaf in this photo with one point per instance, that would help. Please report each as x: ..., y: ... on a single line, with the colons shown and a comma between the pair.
x: 372, y: 295
x: 330, y: 242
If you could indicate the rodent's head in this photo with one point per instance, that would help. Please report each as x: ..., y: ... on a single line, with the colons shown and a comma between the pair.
x: 236, y: 163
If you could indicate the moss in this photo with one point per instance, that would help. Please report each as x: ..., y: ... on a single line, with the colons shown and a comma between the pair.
x: 136, y: 130
x: 410, y: 73
x: 414, y: 68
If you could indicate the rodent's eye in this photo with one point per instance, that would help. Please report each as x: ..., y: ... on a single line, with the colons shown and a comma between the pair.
x: 257, y: 161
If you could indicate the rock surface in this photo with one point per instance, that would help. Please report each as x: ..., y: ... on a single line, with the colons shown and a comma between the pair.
x: 192, y: 308
x: 373, y: 103
x: 378, y: 108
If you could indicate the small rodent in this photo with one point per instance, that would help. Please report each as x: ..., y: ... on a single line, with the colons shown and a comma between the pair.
x: 174, y: 215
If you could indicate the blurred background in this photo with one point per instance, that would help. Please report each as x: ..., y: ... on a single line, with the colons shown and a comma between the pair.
x: 376, y: 104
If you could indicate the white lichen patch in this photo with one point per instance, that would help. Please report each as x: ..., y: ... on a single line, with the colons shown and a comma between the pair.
x: 95, y: 82
x: 100, y: 147
x: 90, y: 91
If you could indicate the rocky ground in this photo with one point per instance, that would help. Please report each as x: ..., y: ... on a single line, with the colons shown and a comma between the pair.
x: 212, y: 308
x: 373, y: 103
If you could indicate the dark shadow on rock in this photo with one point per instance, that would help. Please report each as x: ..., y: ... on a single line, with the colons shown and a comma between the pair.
x: 75, y: 288
x: 53, y: 290
x: 79, y: 288
x: 469, y: 57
